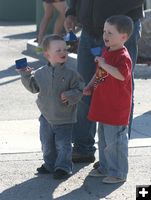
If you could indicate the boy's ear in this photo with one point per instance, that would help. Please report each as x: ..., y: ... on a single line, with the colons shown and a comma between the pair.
x: 45, y: 53
x: 124, y: 37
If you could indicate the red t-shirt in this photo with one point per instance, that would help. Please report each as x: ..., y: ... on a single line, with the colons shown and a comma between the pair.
x: 111, y: 99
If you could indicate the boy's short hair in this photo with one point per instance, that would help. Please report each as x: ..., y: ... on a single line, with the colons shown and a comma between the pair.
x: 124, y: 24
x: 48, y: 39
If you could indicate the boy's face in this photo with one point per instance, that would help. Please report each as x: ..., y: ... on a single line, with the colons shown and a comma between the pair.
x: 57, y: 52
x: 112, y: 38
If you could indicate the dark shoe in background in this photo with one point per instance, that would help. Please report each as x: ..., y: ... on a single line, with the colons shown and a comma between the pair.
x: 42, y: 170
x: 78, y: 158
x: 72, y: 42
x: 72, y: 46
x: 96, y: 165
x: 61, y: 174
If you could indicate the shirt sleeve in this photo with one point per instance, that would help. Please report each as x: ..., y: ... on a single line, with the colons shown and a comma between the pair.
x: 125, y: 67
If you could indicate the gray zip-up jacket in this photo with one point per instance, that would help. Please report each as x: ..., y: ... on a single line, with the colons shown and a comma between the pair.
x: 49, y: 82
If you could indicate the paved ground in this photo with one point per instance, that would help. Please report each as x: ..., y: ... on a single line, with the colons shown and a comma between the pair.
x: 20, y: 151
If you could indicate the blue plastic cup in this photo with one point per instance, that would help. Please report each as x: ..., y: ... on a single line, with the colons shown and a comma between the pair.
x: 96, y: 51
x: 70, y: 36
x: 21, y: 63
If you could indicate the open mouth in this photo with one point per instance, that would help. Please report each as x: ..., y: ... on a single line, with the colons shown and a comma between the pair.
x: 63, y: 57
x: 106, y: 41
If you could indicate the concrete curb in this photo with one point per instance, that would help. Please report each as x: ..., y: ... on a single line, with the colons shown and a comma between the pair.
x: 23, y: 136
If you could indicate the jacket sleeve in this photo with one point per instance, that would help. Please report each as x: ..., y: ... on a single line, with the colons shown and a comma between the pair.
x: 29, y: 82
x: 76, y: 89
x: 128, y: 5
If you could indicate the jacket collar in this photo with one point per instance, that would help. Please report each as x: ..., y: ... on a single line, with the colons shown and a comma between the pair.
x: 56, y: 67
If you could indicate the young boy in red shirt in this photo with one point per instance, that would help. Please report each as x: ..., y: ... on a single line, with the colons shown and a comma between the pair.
x: 111, y: 90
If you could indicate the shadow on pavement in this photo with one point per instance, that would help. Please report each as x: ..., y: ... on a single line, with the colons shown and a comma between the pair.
x: 36, y: 188
x: 142, y: 126
x: 46, y: 188
x: 28, y: 35
x: 10, y: 71
x: 92, y: 188
x: 13, y: 23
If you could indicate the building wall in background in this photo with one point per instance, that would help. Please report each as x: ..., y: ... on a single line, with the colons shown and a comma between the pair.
x: 148, y: 4
x: 18, y: 10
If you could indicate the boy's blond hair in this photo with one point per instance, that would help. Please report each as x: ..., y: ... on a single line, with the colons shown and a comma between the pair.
x: 48, y: 39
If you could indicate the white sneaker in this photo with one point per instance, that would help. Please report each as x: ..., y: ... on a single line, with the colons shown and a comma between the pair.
x: 96, y: 173
x: 111, y: 179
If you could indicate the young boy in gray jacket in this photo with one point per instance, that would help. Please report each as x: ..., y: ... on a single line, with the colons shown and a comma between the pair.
x: 59, y: 91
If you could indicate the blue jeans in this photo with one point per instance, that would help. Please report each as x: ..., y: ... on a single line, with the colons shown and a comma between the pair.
x: 113, y: 150
x: 132, y: 46
x: 56, y: 145
x: 84, y: 130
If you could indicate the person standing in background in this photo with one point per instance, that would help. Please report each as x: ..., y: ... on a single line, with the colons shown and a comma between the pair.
x: 49, y: 6
x: 92, y: 14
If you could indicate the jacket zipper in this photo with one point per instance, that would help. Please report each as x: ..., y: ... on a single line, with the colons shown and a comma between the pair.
x: 53, y: 75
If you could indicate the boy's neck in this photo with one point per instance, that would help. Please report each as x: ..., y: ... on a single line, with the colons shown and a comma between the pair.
x: 115, y: 48
x: 55, y: 64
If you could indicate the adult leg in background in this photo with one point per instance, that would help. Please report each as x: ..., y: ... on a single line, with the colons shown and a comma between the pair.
x: 48, y: 12
x: 84, y: 130
x: 61, y: 8
x: 132, y: 46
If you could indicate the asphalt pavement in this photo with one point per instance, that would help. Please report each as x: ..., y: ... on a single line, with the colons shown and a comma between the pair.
x: 20, y: 150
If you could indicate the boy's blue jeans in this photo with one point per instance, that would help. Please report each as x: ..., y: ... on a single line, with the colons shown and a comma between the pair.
x: 56, y: 145
x: 113, y: 150
x: 84, y: 130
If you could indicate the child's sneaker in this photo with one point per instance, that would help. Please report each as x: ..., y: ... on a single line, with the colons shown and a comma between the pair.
x: 61, y: 174
x: 42, y: 170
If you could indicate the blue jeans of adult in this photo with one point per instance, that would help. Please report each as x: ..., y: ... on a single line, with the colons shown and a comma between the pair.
x: 56, y: 145
x: 84, y: 130
x: 113, y: 150
x: 132, y: 46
